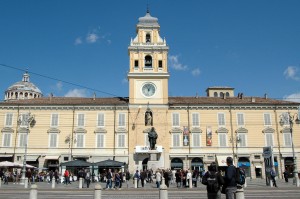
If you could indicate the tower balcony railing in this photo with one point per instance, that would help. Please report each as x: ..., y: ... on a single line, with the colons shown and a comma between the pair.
x: 148, y: 69
x: 148, y: 44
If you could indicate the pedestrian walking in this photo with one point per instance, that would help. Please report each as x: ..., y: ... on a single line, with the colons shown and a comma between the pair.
x: 28, y: 174
x: 178, y: 178
x: 6, y: 176
x: 137, y: 177
x: 127, y: 177
x: 273, y: 176
x: 158, y: 178
x: 109, y: 179
x: 166, y: 176
x: 286, y: 175
x: 88, y: 178
x: 213, y: 181
x: 67, y: 175
x: 56, y: 176
x: 143, y: 176
x: 229, y: 178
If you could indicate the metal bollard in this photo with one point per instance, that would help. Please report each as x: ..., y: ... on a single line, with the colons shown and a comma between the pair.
x: 239, y: 194
x: 163, y: 181
x: 135, y: 183
x: 271, y: 182
x: 163, y: 192
x: 53, y: 183
x: 26, y: 183
x: 245, y: 185
x: 98, y: 190
x: 33, y: 192
x: 191, y: 183
x: 80, y: 183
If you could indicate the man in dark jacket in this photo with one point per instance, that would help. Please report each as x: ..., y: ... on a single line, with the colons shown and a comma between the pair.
x: 213, y: 181
x: 143, y: 176
x: 229, y: 179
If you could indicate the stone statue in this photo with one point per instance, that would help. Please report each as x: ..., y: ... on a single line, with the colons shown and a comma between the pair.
x: 148, y: 118
x: 152, y: 135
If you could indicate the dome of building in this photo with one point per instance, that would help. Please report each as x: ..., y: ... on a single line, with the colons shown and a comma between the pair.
x: 23, y: 90
x: 148, y: 20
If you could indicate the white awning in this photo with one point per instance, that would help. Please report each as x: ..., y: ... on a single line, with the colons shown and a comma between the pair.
x: 258, y: 166
x: 51, y: 157
x: 222, y: 160
x: 31, y: 158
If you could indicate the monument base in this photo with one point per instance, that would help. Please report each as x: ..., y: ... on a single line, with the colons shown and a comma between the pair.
x: 153, y: 162
x: 153, y: 155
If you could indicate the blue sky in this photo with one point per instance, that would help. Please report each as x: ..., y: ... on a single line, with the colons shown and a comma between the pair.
x: 252, y: 46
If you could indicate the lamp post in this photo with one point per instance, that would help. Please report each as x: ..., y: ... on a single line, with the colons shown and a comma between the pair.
x: 69, y: 140
x: 236, y: 141
x: 27, y: 120
x: 286, y: 119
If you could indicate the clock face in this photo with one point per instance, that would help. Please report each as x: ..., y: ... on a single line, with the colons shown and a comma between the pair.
x: 148, y: 89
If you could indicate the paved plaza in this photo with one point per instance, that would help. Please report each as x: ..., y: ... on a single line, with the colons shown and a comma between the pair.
x: 255, y: 189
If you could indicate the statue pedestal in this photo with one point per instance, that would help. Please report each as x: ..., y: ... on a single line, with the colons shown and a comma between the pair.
x: 153, y: 162
x: 153, y: 155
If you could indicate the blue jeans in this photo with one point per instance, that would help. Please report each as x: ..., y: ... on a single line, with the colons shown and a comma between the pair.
x: 109, y: 183
x: 230, y: 192
x: 158, y: 184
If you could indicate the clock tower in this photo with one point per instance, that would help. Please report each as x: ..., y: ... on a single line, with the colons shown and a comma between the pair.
x: 148, y: 64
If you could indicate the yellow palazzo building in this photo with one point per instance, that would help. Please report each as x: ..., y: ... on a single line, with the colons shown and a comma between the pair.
x: 192, y: 131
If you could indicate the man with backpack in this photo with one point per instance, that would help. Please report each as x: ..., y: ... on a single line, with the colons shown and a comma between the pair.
x: 213, y: 181
x: 230, y: 179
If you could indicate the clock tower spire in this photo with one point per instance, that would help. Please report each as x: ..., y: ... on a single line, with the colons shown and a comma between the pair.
x: 148, y: 64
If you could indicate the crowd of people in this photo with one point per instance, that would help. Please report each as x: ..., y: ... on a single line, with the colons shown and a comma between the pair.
x: 216, y: 182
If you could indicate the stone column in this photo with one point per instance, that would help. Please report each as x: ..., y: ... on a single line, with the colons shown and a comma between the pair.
x: 53, y: 183
x: 135, y: 183
x: 33, y: 192
x: 26, y: 183
x: 163, y: 192
x: 240, y: 194
x: 191, y: 182
x: 80, y: 183
x: 97, y: 192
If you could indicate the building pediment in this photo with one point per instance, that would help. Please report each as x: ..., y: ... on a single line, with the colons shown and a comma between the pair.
x: 196, y: 130
x: 7, y: 130
x: 100, y: 130
x: 241, y: 130
x: 268, y: 130
x: 80, y: 130
x: 53, y: 130
x: 222, y: 130
x: 176, y: 130
x: 121, y: 130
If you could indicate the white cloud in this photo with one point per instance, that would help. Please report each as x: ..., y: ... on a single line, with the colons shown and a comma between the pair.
x: 196, y: 72
x: 175, y: 64
x: 77, y: 93
x: 78, y: 41
x: 92, y: 38
x: 295, y: 97
x: 59, y: 86
x: 124, y: 81
x: 291, y: 73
